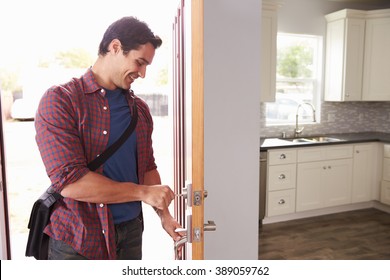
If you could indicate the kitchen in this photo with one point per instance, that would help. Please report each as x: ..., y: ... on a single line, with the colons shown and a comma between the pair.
x: 357, y: 124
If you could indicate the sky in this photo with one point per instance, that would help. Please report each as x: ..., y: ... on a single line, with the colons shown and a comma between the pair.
x: 34, y: 28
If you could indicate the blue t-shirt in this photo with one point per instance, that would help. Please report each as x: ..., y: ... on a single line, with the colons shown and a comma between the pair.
x: 122, y: 165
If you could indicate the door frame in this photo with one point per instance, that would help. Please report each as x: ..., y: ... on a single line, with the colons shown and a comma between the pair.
x: 197, y: 66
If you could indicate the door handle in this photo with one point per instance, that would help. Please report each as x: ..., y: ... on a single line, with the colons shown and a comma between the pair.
x: 177, y: 245
x: 210, y: 226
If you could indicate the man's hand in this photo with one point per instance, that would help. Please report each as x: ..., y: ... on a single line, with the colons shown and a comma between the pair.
x: 158, y: 196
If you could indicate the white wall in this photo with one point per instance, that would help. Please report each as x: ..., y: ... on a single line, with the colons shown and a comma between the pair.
x: 232, y: 86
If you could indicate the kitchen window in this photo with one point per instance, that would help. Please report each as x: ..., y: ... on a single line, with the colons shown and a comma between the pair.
x: 298, y: 75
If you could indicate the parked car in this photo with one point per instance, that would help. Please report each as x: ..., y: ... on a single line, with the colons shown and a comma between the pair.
x: 284, y: 110
x: 24, y: 109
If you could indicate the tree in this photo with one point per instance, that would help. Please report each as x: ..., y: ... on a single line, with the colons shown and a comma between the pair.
x: 74, y: 58
x: 9, y: 80
x: 295, y: 62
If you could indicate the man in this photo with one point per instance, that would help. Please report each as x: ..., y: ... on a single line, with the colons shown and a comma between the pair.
x: 100, y: 216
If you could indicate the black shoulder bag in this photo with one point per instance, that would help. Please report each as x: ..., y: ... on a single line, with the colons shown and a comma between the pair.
x: 38, y: 241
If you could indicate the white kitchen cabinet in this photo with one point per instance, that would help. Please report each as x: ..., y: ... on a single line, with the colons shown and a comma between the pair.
x: 324, y: 180
x: 385, y: 186
x: 281, y: 182
x: 285, y: 156
x: 344, y: 56
x: 282, y: 177
x: 310, y: 185
x: 364, y: 162
x: 315, y: 177
x: 385, y: 192
x: 323, y: 184
x: 268, y: 51
x: 281, y: 202
x: 376, y: 81
x: 357, y: 55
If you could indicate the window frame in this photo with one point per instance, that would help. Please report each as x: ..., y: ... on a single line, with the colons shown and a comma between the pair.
x: 316, y: 81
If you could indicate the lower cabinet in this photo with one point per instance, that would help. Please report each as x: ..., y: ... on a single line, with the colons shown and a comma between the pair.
x: 385, y: 186
x: 323, y: 184
x: 385, y: 192
x: 310, y: 178
x: 364, y: 162
x: 281, y: 202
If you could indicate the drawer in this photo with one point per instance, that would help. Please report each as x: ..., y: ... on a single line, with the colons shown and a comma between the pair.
x: 386, y: 169
x: 310, y: 154
x: 339, y: 152
x: 282, y: 156
x: 281, y: 202
x: 281, y: 177
x: 325, y: 153
x: 386, y: 151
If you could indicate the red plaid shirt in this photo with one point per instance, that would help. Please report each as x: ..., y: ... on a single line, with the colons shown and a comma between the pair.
x: 72, y: 128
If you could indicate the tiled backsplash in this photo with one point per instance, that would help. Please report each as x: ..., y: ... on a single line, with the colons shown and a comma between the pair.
x: 348, y: 117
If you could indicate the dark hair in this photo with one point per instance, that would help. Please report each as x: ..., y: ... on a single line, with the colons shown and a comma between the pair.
x: 131, y: 32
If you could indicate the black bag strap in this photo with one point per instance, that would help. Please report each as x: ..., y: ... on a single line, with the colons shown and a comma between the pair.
x: 94, y: 164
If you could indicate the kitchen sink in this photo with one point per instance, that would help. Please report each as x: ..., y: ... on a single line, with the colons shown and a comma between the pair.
x: 315, y: 139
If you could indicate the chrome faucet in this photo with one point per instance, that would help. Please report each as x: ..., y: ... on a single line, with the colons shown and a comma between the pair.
x: 298, y: 131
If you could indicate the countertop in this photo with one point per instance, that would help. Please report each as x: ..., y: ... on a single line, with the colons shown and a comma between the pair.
x: 345, y: 138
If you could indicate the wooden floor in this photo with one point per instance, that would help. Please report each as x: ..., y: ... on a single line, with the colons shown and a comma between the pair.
x: 355, y: 235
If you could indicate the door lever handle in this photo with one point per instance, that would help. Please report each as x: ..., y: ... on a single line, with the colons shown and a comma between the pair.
x: 210, y: 226
x: 178, y: 244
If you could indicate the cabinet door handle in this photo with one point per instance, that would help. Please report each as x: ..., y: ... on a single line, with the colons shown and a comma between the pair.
x: 282, y: 201
x: 282, y: 177
x: 282, y: 156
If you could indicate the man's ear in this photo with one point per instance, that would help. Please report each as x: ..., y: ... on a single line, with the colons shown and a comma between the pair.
x: 115, y: 46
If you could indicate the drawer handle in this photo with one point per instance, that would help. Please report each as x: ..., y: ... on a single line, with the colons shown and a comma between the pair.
x: 282, y: 177
x: 282, y: 201
x: 282, y: 156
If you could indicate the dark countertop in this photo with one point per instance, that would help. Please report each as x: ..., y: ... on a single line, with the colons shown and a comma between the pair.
x: 345, y: 138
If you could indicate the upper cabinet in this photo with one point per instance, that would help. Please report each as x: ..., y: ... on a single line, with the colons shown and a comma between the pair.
x: 376, y: 72
x: 357, y: 56
x: 268, y: 51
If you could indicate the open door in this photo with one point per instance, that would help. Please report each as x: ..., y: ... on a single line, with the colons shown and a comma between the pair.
x: 189, y: 127
x: 5, y: 247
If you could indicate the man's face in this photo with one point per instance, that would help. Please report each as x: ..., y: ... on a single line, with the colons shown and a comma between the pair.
x: 127, y: 68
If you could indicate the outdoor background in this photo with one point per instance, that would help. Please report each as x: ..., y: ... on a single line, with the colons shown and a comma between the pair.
x: 46, y: 42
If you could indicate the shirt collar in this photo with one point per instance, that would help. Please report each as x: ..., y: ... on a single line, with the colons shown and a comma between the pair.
x: 89, y: 82
x: 91, y: 86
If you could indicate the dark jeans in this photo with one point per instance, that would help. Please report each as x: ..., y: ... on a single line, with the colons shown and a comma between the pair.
x: 128, y: 239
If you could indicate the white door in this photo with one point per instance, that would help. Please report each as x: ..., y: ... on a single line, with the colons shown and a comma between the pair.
x: 5, y: 251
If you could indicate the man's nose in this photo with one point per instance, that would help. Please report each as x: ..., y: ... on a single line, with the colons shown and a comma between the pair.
x: 142, y: 72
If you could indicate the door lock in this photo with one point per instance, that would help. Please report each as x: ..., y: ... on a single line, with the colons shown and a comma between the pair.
x: 198, y: 197
x: 210, y: 226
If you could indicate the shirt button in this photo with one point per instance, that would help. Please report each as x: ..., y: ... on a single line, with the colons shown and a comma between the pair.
x: 101, y: 205
x: 103, y: 231
x: 104, y: 132
x: 105, y: 108
x: 102, y: 90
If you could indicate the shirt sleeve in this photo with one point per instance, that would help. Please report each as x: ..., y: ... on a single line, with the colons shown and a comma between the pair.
x: 151, y: 160
x: 58, y: 139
